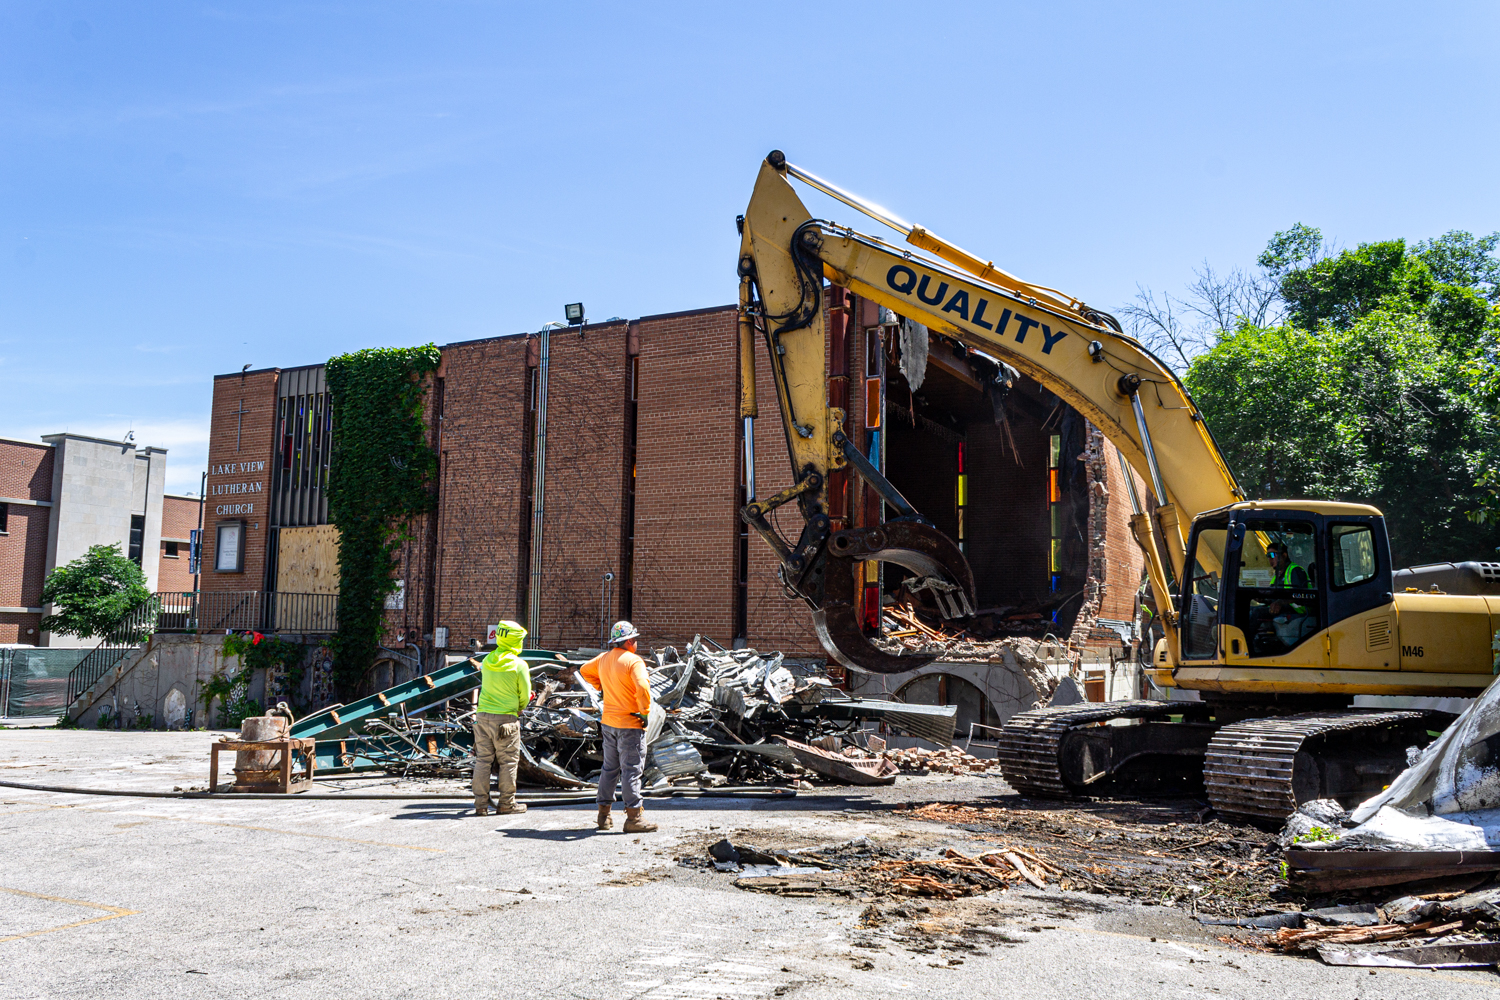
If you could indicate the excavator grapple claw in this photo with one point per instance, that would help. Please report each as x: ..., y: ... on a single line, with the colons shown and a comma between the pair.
x: 911, y: 544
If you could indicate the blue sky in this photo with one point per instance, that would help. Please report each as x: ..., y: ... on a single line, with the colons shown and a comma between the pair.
x: 189, y: 187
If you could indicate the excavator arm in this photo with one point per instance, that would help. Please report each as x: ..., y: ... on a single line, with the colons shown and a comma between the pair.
x: 1077, y: 352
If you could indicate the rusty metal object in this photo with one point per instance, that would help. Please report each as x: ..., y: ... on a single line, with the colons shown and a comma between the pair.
x: 850, y: 771
x: 280, y: 779
x: 1262, y: 769
x: 911, y: 544
x: 259, y: 767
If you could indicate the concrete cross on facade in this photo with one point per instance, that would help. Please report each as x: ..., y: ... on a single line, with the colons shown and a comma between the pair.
x: 239, y: 424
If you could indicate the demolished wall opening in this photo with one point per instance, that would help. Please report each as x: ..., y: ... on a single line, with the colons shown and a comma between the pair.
x: 992, y: 458
x: 945, y: 689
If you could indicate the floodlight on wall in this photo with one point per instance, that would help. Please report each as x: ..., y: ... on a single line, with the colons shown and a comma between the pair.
x: 574, y: 312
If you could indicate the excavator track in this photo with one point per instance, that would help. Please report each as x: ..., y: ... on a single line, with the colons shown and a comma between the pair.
x: 1030, y: 744
x: 1262, y: 769
x: 1255, y: 771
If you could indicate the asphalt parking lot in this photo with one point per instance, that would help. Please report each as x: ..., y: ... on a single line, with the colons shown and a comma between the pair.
x: 116, y: 896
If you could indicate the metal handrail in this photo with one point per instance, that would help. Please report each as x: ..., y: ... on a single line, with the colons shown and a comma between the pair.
x: 978, y: 725
x: 252, y: 611
x: 204, y: 611
x: 129, y: 633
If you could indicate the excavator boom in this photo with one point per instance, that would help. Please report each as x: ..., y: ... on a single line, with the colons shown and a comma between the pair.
x: 1076, y: 352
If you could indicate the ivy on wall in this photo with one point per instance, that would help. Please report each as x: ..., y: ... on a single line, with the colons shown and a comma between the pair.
x: 380, y: 478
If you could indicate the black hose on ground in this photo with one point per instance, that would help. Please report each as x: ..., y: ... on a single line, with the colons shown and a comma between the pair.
x: 530, y: 798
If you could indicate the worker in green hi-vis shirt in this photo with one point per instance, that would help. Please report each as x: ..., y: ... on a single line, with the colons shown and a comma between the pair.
x: 504, y: 689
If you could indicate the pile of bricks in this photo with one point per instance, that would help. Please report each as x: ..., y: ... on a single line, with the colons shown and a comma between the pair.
x: 949, y: 761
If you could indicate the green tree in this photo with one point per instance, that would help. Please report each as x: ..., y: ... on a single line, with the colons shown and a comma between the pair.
x: 1380, y: 413
x: 93, y: 592
x: 1289, y: 248
x: 1338, y: 290
x: 1460, y: 258
x: 1380, y: 387
x: 1454, y: 277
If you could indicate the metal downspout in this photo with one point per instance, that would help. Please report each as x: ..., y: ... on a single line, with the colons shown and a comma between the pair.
x: 538, y: 491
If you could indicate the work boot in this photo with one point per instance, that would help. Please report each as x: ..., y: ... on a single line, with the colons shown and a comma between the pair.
x: 605, y: 822
x: 481, y: 809
x: 511, y: 810
x: 636, y: 823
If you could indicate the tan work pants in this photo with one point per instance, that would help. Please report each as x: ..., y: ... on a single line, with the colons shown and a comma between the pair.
x: 497, y: 741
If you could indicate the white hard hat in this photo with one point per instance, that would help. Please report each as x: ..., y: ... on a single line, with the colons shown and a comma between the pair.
x: 622, y: 632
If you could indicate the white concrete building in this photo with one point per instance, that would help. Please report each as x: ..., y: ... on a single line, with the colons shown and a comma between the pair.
x: 106, y: 493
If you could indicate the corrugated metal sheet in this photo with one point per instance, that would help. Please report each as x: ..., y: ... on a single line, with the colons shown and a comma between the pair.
x: 934, y: 723
x: 675, y: 757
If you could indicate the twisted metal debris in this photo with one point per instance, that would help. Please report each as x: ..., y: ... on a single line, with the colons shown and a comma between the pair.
x: 718, y: 716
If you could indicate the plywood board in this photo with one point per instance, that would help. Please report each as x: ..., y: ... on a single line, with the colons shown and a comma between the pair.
x: 307, y: 560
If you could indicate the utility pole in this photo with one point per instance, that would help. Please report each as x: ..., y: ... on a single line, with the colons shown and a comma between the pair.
x: 202, y: 499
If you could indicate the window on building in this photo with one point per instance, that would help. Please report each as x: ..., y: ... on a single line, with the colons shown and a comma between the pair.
x: 137, y: 536
x: 4, y: 518
x: 169, y: 550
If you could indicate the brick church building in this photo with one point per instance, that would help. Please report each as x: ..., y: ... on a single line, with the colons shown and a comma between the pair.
x: 595, y: 472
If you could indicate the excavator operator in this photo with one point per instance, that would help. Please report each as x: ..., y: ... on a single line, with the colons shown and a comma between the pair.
x: 1280, y: 624
x: 1284, y: 572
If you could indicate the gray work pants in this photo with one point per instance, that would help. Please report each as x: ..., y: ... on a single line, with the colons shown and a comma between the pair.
x: 497, y: 741
x: 624, y: 760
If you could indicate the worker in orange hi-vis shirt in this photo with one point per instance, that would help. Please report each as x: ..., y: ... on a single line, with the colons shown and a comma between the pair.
x: 620, y: 676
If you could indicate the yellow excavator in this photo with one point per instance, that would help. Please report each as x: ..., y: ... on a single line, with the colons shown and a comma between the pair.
x: 1276, y: 612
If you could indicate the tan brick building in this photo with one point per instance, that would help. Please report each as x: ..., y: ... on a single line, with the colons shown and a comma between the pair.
x: 634, y: 426
x: 180, y: 517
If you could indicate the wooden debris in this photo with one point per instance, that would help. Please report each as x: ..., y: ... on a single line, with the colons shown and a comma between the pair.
x: 1020, y: 866
x: 1290, y: 938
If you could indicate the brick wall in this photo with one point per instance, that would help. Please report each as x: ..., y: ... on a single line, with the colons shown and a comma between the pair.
x: 25, y: 470
x: 774, y: 621
x: 588, y: 387
x: 482, y: 474
x: 415, y: 558
x: 687, y: 477
x: 229, y: 465
x: 1124, y: 557
x: 179, y: 517
x: 25, y: 474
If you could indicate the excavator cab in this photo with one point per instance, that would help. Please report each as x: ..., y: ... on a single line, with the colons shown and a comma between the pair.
x: 1265, y: 578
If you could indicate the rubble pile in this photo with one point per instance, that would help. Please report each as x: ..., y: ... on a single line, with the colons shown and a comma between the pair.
x: 947, y: 761
x: 1017, y: 653
x: 719, y: 717
x: 1152, y: 853
x: 1236, y: 878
